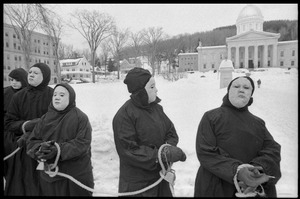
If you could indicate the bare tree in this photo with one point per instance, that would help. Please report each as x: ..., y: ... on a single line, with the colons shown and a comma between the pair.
x: 24, y: 19
x: 137, y: 40
x: 65, y: 51
x: 105, y: 51
x: 94, y: 27
x: 51, y: 23
x: 117, y: 43
x: 151, y: 37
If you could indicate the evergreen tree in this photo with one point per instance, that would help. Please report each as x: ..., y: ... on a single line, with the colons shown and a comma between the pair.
x: 110, y: 66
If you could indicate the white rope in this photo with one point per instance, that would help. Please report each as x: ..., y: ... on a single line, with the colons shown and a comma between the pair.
x: 162, y: 174
x: 13, y: 153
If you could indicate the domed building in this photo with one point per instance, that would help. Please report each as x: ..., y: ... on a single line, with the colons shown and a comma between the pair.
x: 250, y: 48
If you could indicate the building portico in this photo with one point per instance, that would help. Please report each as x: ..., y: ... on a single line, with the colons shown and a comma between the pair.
x: 253, y: 49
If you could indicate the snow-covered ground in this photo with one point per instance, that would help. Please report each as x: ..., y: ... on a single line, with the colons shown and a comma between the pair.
x: 185, y: 101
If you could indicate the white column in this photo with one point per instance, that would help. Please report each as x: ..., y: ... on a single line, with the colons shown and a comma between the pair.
x: 274, y: 64
x: 265, y: 62
x: 229, y: 52
x: 246, y: 56
x: 255, y: 58
x: 237, y: 60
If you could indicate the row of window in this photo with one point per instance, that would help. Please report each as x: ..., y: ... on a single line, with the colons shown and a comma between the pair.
x: 282, y: 53
x: 35, y: 40
x: 14, y: 35
x: 36, y: 49
x: 72, y: 64
x: 80, y: 69
x: 81, y: 75
x: 187, y: 58
x: 281, y: 64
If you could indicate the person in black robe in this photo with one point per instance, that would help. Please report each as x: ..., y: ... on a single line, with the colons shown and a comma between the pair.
x: 24, y: 111
x: 237, y: 153
x: 18, y: 81
x: 69, y: 127
x: 140, y: 127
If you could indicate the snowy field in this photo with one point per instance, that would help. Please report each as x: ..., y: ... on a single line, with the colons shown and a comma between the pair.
x: 185, y: 101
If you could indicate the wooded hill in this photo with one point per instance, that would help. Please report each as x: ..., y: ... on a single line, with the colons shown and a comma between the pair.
x: 185, y: 43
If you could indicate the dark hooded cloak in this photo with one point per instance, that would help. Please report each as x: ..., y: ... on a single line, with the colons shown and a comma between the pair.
x: 27, y: 104
x: 71, y: 129
x: 140, y: 129
x: 228, y: 137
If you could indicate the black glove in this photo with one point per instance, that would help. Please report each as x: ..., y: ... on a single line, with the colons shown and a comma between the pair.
x: 47, y: 150
x: 251, y: 176
x: 172, y: 154
x: 29, y: 126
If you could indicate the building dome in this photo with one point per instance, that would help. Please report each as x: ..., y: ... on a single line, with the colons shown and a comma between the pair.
x: 250, y: 18
x: 250, y: 11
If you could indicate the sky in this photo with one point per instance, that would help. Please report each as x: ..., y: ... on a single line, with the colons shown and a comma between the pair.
x: 175, y: 19
x: 185, y: 101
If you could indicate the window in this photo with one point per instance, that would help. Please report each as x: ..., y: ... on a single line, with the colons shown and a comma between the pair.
x: 7, y: 45
x: 14, y: 36
x: 281, y: 53
x: 8, y: 67
x: 293, y: 53
x: 19, y: 48
x: 16, y: 58
x: 281, y: 63
x: 6, y: 34
x: 15, y: 46
x: 204, y: 66
x: 8, y: 57
x: 292, y: 63
x: 20, y: 58
x: 213, y: 66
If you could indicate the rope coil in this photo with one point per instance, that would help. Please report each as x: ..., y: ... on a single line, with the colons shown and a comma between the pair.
x: 163, y: 175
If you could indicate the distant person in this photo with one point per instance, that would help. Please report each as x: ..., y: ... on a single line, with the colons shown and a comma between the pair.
x: 258, y: 83
x: 18, y: 81
x: 140, y: 128
x: 69, y: 127
x: 24, y: 111
x: 232, y: 142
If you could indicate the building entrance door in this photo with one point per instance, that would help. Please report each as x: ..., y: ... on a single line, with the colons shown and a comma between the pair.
x: 250, y: 64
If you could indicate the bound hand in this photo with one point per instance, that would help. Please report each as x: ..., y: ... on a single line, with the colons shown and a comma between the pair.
x: 172, y: 154
x: 47, y: 150
x: 251, y: 176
